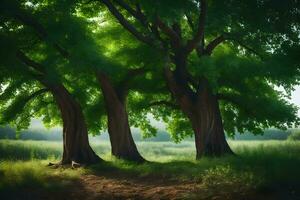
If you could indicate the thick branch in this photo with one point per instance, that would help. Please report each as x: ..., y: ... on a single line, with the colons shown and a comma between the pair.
x: 155, y: 32
x: 192, y: 44
x: 35, y: 94
x: 175, y: 38
x: 200, y: 46
x: 213, y: 44
x: 107, y: 87
x: 190, y: 22
x: 127, y: 7
x: 114, y: 11
x: 29, y: 21
x: 27, y: 61
x: 220, y: 39
x: 141, y: 16
x: 135, y: 13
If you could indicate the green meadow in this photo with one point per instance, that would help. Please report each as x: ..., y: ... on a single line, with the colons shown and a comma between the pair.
x: 261, y: 167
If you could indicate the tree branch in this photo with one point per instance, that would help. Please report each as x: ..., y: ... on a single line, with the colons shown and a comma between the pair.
x: 37, y: 93
x: 141, y: 15
x: 155, y: 32
x: 126, y: 7
x: 200, y: 46
x: 175, y: 38
x: 27, y: 61
x: 192, y: 44
x: 121, y: 19
x: 135, y: 13
x: 213, y: 44
x: 190, y: 22
x: 218, y: 40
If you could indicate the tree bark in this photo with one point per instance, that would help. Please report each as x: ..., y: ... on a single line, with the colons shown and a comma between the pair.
x: 202, y: 109
x: 122, y: 143
x: 207, y: 124
x: 76, y: 148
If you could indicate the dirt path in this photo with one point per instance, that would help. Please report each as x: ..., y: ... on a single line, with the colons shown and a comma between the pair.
x: 118, y: 187
x: 100, y: 187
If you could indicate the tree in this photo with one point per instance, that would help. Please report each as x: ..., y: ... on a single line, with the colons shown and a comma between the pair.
x: 113, y: 79
x: 123, y: 74
x: 39, y: 68
x: 221, y: 58
x: 60, y: 34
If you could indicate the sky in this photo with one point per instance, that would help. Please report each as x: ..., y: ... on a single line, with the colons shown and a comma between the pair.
x: 295, y: 98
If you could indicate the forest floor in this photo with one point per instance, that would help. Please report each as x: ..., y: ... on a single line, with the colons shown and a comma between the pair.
x: 108, y: 186
x: 103, y: 187
x: 263, y: 170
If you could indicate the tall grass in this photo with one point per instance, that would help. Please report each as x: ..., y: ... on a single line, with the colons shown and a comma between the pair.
x: 28, y: 150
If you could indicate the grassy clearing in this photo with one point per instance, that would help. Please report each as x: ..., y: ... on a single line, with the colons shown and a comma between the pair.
x: 259, y: 165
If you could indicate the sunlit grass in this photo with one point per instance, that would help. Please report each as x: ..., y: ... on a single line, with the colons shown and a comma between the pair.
x: 152, y: 151
x: 27, y: 150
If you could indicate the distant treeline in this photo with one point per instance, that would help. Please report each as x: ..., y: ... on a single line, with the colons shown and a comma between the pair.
x: 270, y: 134
x: 56, y: 135
x: 36, y: 134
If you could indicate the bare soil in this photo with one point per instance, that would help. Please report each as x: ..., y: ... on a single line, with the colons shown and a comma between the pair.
x: 100, y: 187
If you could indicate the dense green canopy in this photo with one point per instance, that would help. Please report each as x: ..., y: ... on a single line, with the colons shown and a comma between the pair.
x: 248, y: 50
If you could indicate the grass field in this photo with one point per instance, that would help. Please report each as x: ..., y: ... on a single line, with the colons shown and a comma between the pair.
x: 265, y: 168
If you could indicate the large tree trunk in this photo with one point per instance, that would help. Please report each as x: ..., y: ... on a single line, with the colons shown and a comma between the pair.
x: 202, y: 109
x: 207, y: 124
x: 76, y: 148
x: 122, y: 143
